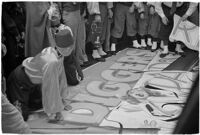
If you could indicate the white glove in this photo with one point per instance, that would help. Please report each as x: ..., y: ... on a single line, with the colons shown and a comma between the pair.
x: 51, y: 10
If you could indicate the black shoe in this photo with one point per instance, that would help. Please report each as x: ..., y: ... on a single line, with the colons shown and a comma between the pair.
x: 113, y: 52
x: 109, y: 53
x: 148, y: 47
x: 100, y: 59
x: 144, y: 47
x: 86, y: 64
x: 180, y: 53
x: 153, y: 50
x: 162, y: 55
x: 106, y: 56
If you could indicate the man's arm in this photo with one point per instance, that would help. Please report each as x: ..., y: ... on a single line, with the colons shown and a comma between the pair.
x: 159, y: 10
x: 93, y: 8
x: 51, y: 97
x: 190, y: 11
x: 110, y: 6
x: 192, y: 8
x: 140, y: 6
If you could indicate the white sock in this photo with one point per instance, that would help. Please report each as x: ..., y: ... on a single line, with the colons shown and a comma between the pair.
x: 95, y: 54
x: 154, y: 46
x: 143, y: 43
x: 101, y: 52
x: 149, y: 42
x: 165, y: 49
x: 113, y: 47
x: 178, y: 48
x: 136, y: 44
x: 162, y: 44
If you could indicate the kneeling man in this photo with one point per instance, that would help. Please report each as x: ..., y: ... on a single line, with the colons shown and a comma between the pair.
x: 47, y: 71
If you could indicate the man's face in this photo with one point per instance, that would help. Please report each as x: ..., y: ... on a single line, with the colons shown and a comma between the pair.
x: 65, y: 51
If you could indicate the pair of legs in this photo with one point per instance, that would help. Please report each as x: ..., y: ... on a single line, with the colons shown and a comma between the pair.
x: 121, y: 16
x: 153, y: 30
x: 98, y: 53
x: 143, y: 24
x: 166, y: 29
x: 152, y: 42
x: 164, y: 46
x: 82, y: 41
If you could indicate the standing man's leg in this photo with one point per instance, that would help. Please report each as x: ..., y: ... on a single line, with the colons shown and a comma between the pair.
x: 82, y: 42
x: 153, y: 30
x: 132, y: 27
x: 165, y: 30
x: 81, y: 38
x: 108, y: 35
x: 119, y: 22
x: 143, y: 25
x: 104, y: 20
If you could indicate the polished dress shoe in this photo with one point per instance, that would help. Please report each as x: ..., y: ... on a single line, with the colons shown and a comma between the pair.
x: 180, y: 53
x: 107, y: 55
x: 153, y: 50
x: 100, y: 59
x: 112, y: 52
x: 148, y: 47
x: 162, y: 55
x: 144, y: 47
x: 86, y: 64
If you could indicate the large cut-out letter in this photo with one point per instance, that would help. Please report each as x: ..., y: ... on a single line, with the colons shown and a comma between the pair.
x: 120, y: 76
x: 87, y: 113
x: 110, y: 89
x: 106, y: 101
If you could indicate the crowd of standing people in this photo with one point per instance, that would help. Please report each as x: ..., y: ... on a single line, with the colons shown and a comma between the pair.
x: 44, y: 44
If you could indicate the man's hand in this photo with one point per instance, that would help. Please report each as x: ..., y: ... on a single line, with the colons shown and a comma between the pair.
x: 23, y: 35
x: 97, y: 18
x: 4, y: 49
x: 165, y: 20
x: 84, y: 14
x: 131, y: 9
x: 142, y: 16
x: 78, y: 77
x: 110, y: 13
x: 184, y: 17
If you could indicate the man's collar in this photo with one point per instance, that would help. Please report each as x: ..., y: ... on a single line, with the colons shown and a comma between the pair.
x: 59, y: 54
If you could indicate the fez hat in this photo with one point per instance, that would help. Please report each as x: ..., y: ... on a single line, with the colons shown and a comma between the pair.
x: 64, y: 37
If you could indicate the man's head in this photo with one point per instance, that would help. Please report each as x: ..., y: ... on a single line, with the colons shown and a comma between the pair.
x: 64, y: 41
